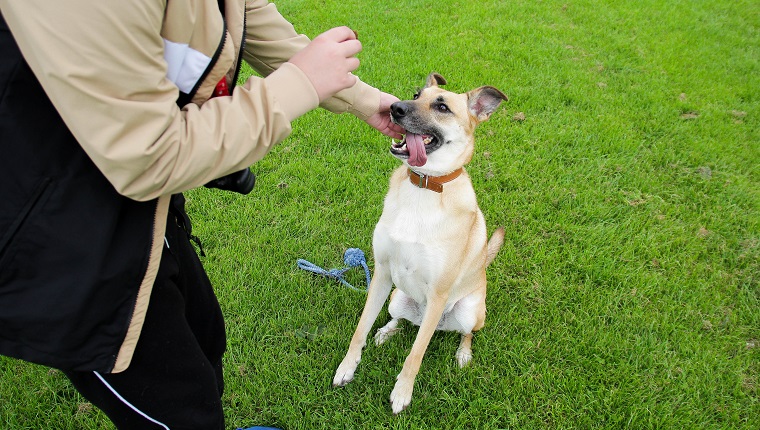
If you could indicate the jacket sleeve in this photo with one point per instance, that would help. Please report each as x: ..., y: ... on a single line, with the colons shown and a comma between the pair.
x: 102, y: 66
x: 271, y: 40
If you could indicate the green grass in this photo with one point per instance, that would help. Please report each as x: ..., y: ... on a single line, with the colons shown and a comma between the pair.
x: 627, y: 293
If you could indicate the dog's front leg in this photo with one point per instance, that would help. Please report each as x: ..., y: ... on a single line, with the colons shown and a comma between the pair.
x: 401, y: 395
x: 379, y: 289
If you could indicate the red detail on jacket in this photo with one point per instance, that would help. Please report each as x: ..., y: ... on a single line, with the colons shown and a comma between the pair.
x: 222, y: 89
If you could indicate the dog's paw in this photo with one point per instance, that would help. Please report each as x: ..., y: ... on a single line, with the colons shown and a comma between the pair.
x: 463, y: 355
x: 345, y: 372
x: 401, y: 396
x: 383, y: 334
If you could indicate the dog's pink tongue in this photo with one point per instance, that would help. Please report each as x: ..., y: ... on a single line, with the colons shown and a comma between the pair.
x: 417, y: 154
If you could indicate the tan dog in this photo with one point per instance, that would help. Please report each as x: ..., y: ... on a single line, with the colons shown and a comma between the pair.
x: 430, y: 241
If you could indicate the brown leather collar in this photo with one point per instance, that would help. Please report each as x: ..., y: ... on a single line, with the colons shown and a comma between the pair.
x: 434, y: 183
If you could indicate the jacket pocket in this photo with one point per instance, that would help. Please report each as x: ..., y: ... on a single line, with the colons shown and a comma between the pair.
x: 35, y: 200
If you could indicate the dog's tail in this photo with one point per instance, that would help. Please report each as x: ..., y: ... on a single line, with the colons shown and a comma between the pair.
x: 494, y: 244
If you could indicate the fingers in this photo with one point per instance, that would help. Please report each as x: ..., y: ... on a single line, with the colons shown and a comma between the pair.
x: 386, y: 100
x: 350, y: 79
x: 345, y: 38
x: 352, y: 64
x: 381, y: 120
x: 329, y: 60
x: 339, y: 34
x: 395, y: 131
x: 351, y: 47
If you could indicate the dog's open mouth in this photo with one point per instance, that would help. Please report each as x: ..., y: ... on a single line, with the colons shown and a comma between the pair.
x: 415, y: 148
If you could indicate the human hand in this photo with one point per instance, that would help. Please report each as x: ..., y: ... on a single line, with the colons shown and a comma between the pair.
x: 328, y: 61
x: 382, y: 119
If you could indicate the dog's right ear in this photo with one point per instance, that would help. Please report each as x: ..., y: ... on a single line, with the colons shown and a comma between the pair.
x: 434, y: 79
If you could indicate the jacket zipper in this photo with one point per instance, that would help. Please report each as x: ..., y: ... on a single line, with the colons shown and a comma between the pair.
x: 239, y: 59
x: 211, y: 65
x: 115, y: 357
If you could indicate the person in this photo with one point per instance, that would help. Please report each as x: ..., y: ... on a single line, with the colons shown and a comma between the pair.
x: 107, y: 116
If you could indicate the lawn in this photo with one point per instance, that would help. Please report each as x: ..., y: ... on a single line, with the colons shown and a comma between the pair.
x: 626, y: 170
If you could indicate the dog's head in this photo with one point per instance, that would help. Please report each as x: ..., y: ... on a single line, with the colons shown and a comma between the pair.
x: 440, y: 125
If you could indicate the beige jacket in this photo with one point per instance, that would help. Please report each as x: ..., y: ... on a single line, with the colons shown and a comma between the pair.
x: 114, y: 71
x: 102, y: 65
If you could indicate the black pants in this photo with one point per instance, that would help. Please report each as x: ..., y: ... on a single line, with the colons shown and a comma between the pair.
x: 175, y: 378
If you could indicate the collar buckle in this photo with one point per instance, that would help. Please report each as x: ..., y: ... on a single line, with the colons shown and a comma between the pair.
x: 423, y: 183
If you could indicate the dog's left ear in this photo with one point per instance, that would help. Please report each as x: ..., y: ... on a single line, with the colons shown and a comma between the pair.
x: 483, y: 101
x: 434, y: 79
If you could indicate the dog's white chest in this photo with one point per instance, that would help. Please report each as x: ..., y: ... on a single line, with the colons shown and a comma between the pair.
x: 409, y: 238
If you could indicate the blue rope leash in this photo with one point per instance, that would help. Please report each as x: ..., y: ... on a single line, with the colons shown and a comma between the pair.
x: 353, y: 257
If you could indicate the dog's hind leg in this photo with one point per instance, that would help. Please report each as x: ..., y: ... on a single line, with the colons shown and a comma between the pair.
x: 385, y: 332
x: 467, y: 316
x: 464, y: 352
x: 378, y: 292
x: 400, y: 307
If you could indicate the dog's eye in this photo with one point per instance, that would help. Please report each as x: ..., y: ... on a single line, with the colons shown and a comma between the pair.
x: 441, y: 107
x: 416, y: 95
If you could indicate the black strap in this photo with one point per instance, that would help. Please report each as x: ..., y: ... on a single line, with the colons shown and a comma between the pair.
x: 177, y: 208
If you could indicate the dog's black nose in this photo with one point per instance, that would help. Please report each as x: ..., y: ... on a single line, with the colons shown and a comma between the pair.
x: 400, y: 109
